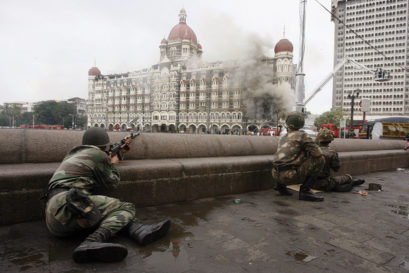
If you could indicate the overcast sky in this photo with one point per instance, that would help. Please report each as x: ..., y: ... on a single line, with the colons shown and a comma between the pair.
x: 47, y: 46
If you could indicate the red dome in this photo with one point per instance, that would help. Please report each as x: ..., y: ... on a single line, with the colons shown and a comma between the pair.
x: 199, y: 46
x: 182, y: 32
x: 164, y: 41
x: 94, y: 71
x: 283, y: 45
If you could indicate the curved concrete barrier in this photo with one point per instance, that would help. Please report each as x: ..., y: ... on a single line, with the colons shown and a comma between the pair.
x: 165, y: 168
x: 40, y: 146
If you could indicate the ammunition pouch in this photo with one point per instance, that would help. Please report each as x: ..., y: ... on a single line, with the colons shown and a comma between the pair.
x: 82, y: 207
x: 52, y: 193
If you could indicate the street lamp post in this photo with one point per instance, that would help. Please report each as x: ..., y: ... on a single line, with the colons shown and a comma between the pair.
x: 354, y: 94
x: 73, y: 121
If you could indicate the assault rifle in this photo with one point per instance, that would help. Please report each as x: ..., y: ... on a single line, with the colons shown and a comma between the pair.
x: 119, y: 146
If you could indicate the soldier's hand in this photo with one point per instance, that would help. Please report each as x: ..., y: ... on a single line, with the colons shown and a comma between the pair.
x: 125, y: 147
x: 114, y: 158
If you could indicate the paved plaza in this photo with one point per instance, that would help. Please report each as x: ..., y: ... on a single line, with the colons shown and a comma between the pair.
x: 347, y: 232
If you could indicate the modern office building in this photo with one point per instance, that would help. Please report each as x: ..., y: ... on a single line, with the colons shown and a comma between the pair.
x: 383, y: 24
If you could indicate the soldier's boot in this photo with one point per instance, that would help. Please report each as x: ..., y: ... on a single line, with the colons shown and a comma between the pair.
x: 146, y: 234
x: 283, y: 190
x: 344, y: 187
x: 95, y: 249
x: 305, y: 191
x: 357, y: 181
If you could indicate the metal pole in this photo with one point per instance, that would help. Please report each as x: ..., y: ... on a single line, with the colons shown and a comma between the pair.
x: 352, y: 97
x: 352, y: 113
x: 300, y: 87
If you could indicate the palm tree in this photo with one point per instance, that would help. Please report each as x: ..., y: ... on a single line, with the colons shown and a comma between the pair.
x: 15, y: 112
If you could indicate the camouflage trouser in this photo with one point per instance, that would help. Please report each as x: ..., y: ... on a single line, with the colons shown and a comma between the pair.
x: 62, y: 222
x: 336, y: 183
x: 297, y: 174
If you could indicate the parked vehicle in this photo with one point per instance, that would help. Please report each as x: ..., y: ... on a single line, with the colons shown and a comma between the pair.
x: 393, y: 128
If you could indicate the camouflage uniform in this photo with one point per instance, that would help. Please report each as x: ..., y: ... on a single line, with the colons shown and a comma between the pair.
x: 297, y: 157
x: 86, y: 168
x: 327, y: 183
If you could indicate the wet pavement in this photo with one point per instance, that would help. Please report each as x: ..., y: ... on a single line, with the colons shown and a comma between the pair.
x: 261, y: 232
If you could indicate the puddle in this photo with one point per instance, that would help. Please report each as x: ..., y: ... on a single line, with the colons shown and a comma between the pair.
x: 178, y: 240
x: 400, y: 209
x: 298, y: 256
x: 171, y: 242
x: 25, y: 258
x: 169, y: 254
x: 191, y: 213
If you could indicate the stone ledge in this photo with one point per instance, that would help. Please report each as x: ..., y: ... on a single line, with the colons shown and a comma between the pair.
x: 143, y: 182
x: 152, y: 182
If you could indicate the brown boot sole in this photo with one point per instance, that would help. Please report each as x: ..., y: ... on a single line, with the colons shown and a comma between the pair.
x: 103, y: 252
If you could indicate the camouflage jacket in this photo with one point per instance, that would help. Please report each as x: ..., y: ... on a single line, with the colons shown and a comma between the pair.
x: 294, y: 148
x: 331, y: 162
x: 86, y: 167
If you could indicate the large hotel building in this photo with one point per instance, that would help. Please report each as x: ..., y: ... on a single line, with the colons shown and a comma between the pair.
x: 182, y: 93
x: 385, y: 25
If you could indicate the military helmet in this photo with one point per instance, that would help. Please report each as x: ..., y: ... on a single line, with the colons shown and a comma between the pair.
x: 295, y: 120
x: 325, y: 136
x: 95, y: 136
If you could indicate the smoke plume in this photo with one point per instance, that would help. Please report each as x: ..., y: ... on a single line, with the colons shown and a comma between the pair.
x: 252, y: 71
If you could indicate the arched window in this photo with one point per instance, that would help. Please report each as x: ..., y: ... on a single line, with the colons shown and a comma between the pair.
x: 223, y: 116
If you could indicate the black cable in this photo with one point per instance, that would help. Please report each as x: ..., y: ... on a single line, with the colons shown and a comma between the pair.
x: 362, y: 38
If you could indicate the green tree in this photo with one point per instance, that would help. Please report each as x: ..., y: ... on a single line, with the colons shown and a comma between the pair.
x: 81, y: 122
x: 330, y: 117
x: 53, y: 113
x: 15, y: 111
x: 4, y: 119
x: 26, y: 118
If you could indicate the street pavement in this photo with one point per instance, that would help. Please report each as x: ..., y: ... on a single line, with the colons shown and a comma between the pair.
x: 348, y: 232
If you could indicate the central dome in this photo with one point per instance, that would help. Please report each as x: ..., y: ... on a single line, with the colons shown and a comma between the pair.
x: 182, y: 31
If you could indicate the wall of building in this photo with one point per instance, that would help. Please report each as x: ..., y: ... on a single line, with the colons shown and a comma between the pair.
x: 384, y: 24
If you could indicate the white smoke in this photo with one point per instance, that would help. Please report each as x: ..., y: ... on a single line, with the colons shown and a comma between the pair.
x: 226, y: 41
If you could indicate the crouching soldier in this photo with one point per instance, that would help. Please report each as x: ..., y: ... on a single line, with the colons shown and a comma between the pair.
x: 298, y: 160
x: 325, y: 182
x: 73, y: 208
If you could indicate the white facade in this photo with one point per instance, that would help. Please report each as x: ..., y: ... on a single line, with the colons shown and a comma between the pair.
x: 181, y: 93
x: 384, y: 24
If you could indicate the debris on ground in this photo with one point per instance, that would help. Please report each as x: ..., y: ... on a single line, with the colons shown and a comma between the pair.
x: 299, y: 256
x: 363, y: 193
x: 374, y: 187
